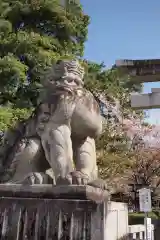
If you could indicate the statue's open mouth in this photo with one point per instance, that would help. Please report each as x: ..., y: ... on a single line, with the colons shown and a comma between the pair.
x: 64, y: 88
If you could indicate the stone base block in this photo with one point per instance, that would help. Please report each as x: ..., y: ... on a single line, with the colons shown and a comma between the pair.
x: 59, y: 212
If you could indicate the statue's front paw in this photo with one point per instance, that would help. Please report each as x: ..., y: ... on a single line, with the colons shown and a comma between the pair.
x: 74, y: 178
x: 79, y: 178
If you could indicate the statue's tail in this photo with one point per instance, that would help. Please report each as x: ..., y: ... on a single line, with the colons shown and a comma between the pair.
x: 7, y: 146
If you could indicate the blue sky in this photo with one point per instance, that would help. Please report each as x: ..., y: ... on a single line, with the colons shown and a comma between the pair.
x: 124, y: 29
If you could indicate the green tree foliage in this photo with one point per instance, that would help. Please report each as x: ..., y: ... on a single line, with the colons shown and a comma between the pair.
x: 33, y: 35
x: 9, y: 116
x: 111, y: 84
x: 112, y: 146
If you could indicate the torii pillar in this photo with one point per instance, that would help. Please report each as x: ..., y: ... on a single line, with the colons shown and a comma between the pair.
x: 141, y: 71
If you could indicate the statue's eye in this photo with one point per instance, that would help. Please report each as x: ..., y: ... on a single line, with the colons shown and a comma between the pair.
x: 76, y: 81
x: 70, y: 80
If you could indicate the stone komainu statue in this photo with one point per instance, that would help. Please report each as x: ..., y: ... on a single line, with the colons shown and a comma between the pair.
x: 60, y: 131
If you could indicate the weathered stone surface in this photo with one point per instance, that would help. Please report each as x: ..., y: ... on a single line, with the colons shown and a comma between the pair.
x: 145, y: 101
x: 48, y: 191
x: 140, y: 70
x: 47, y: 212
x: 36, y: 219
x: 62, y: 129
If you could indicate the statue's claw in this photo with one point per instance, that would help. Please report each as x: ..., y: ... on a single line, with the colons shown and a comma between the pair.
x: 75, y: 178
x: 34, y: 178
x: 79, y: 178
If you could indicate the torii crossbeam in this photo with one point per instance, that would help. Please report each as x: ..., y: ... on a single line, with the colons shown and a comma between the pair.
x: 141, y: 71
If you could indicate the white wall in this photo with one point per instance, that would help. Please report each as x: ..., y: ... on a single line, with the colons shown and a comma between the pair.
x: 116, y: 220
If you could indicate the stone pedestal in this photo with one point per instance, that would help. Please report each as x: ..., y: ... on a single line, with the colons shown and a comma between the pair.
x: 60, y: 212
x: 47, y: 212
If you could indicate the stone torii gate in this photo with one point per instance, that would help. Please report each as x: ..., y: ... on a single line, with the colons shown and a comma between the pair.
x: 141, y: 71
